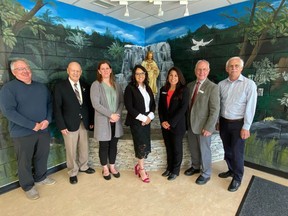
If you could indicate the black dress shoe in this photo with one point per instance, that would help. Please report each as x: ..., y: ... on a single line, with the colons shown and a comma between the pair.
x: 88, y: 171
x: 226, y: 174
x: 201, y: 180
x: 191, y: 171
x: 73, y: 180
x: 166, y: 173
x: 116, y: 175
x: 108, y: 177
x: 171, y: 177
x: 234, y: 185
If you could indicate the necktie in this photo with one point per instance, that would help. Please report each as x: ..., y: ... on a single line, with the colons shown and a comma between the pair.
x: 77, y: 93
x: 195, y: 93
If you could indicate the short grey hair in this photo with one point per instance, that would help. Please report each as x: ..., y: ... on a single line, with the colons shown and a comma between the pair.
x: 16, y: 60
x: 202, y: 60
x: 235, y: 58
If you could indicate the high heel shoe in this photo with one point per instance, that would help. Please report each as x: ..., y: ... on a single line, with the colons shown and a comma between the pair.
x: 145, y: 180
x: 136, y: 169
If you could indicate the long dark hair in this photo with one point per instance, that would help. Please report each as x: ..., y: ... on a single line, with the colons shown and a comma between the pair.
x: 133, y: 79
x: 99, y: 76
x: 179, y: 86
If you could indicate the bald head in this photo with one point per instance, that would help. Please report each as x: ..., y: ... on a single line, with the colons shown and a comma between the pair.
x: 74, y: 71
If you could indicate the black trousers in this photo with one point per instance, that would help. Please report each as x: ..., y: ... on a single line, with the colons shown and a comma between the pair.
x: 174, y: 149
x: 234, y: 146
x: 32, y: 152
x: 108, y: 149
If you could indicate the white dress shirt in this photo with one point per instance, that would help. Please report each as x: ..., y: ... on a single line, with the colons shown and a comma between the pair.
x: 238, y: 99
x: 146, y: 96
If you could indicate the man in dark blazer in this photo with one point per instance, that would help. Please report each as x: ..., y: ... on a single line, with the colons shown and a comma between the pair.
x: 74, y: 116
x: 202, y: 118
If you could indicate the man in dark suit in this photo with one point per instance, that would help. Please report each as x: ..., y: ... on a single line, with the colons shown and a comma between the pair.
x: 202, y: 118
x: 74, y: 116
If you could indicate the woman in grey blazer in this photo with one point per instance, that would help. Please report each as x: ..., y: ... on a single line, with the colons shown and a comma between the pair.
x: 107, y: 100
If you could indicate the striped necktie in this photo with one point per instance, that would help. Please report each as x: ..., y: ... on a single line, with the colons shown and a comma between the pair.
x: 77, y: 93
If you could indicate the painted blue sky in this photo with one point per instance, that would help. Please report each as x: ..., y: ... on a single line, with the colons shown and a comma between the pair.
x: 90, y: 21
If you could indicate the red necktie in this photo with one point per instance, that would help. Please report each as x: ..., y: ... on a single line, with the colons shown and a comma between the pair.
x: 195, y: 93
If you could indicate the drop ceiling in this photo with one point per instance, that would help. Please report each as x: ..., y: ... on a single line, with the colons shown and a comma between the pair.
x: 144, y: 13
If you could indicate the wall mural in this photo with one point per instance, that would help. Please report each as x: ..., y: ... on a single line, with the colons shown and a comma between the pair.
x: 50, y: 36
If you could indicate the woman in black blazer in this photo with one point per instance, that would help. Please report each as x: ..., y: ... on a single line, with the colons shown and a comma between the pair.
x: 172, y: 108
x: 140, y: 104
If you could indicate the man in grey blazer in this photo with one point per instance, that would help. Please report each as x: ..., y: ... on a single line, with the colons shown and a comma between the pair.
x: 202, y: 117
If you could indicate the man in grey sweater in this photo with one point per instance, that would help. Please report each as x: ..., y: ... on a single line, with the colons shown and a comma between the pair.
x: 28, y: 107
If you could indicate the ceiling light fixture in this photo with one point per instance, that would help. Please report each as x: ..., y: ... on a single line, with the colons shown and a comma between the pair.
x: 186, y: 10
x: 123, y: 2
x: 160, y: 12
x: 126, y: 11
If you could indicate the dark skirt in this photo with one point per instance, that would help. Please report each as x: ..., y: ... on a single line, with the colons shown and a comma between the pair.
x: 141, y: 139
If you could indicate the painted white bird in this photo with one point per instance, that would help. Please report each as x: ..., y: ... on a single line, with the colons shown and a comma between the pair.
x: 197, y: 44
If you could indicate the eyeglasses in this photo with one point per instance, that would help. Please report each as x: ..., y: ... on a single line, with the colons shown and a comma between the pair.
x: 140, y: 74
x: 22, y: 69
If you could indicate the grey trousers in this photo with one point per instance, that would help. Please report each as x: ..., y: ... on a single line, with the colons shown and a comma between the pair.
x: 200, y: 150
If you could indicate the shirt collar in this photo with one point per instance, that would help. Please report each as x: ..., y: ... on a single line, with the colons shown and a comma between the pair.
x: 140, y: 87
x: 72, y: 82
x: 24, y: 82
x: 240, y: 78
x: 201, y: 82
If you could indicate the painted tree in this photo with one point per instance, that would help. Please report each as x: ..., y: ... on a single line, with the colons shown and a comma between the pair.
x: 13, y: 19
x: 48, y: 18
x: 265, y: 19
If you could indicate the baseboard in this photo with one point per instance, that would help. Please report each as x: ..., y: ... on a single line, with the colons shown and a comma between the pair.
x: 266, y: 169
x: 16, y: 184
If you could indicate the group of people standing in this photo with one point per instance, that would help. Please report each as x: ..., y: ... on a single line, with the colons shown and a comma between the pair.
x: 194, y: 108
x: 228, y: 107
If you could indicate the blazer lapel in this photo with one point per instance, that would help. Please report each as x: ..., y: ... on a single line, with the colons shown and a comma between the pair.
x: 71, y: 90
x: 202, y: 89
x: 191, y: 89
